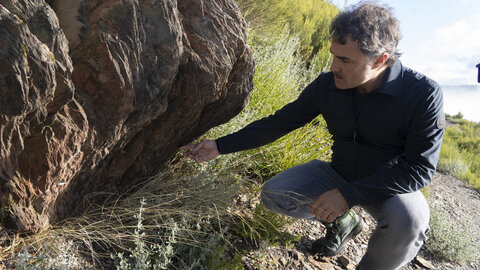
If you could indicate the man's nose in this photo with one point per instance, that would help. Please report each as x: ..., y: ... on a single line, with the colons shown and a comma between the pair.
x: 334, y: 66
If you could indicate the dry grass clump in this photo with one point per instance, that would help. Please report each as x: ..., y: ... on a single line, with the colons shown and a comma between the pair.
x: 173, y: 220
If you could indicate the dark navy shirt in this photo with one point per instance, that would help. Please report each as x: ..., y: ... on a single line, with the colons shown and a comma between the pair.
x: 384, y: 143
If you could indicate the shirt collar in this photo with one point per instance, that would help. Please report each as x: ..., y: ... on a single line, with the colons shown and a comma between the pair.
x: 392, y: 82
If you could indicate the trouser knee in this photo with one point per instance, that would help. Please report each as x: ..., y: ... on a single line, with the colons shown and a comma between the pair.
x: 402, y: 224
x: 286, y: 203
x: 404, y: 227
x: 405, y: 222
x: 277, y: 201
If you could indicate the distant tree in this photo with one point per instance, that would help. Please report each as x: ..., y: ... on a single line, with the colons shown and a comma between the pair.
x: 459, y: 115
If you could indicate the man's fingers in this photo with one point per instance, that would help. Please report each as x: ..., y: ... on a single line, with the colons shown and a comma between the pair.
x: 330, y: 218
x: 189, y: 154
x: 329, y: 205
x: 317, y: 210
x: 204, y: 151
x: 326, y: 216
x: 198, y: 146
x: 188, y: 147
x: 322, y: 211
x: 313, y: 207
x: 316, y: 205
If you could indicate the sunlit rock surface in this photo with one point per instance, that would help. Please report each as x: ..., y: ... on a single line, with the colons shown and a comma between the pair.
x: 95, y: 95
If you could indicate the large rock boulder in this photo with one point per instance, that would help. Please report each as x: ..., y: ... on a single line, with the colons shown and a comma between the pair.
x: 95, y: 95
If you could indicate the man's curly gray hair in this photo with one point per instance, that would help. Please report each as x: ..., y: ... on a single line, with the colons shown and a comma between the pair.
x: 374, y: 27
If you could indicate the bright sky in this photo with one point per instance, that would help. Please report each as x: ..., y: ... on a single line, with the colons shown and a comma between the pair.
x: 440, y: 38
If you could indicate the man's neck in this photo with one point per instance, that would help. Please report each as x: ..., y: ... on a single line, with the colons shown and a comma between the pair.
x: 374, y: 83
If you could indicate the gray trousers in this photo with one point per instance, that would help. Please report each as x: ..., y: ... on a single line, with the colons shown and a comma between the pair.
x: 402, y: 221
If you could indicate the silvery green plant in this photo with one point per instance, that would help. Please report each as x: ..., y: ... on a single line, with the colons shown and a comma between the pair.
x: 140, y: 257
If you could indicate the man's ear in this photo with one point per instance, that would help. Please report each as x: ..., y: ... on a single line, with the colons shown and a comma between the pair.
x: 380, y: 60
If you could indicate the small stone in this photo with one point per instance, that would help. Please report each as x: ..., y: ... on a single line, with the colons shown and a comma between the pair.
x: 297, y: 255
x: 308, y: 267
x: 244, y: 198
x: 320, y: 265
x: 283, y: 261
x: 344, y: 260
x: 321, y: 258
x: 422, y: 262
x: 449, y: 266
x: 360, y: 251
x: 368, y: 221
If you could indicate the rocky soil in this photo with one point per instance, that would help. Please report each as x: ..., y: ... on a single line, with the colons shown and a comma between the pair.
x: 461, y: 201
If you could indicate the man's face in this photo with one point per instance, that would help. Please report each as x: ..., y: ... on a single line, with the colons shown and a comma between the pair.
x: 350, y: 66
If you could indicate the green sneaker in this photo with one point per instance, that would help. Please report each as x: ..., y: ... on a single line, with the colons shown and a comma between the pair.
x: 342, y: 229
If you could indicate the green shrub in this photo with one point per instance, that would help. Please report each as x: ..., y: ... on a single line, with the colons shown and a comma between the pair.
x: 451, y: 239
x: 460, y: 154
x: 472, y: 178
x: 279, y: 78
x: 49, y: 255
x: 147, y: 256
x: 307, y: 19
x: 451, y: 160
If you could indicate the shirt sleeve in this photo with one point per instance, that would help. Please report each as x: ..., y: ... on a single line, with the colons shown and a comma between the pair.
x: 415, y: 168
x: 269, y: 129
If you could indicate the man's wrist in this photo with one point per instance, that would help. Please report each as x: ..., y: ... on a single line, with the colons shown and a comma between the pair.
x: 348, y: 193
x: 218, y: 146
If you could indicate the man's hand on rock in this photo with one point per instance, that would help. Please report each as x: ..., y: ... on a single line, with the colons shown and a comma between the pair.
x: 204, y: 151
x: 329, y: 205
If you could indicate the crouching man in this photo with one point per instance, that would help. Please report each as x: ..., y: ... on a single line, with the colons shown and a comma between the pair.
x: 387, y: 124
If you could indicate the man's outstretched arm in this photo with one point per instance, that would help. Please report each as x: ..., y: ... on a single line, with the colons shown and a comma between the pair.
x: 265, y: 130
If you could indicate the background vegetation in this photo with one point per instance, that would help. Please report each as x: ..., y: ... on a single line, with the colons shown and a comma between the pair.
x: 451, y: 239
x: 187, y: 216
x: 280, y: 76
x: 460, y: 154
x: 308, y: 20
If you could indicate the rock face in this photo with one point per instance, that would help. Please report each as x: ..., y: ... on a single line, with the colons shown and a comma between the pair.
x: 95, y: 95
